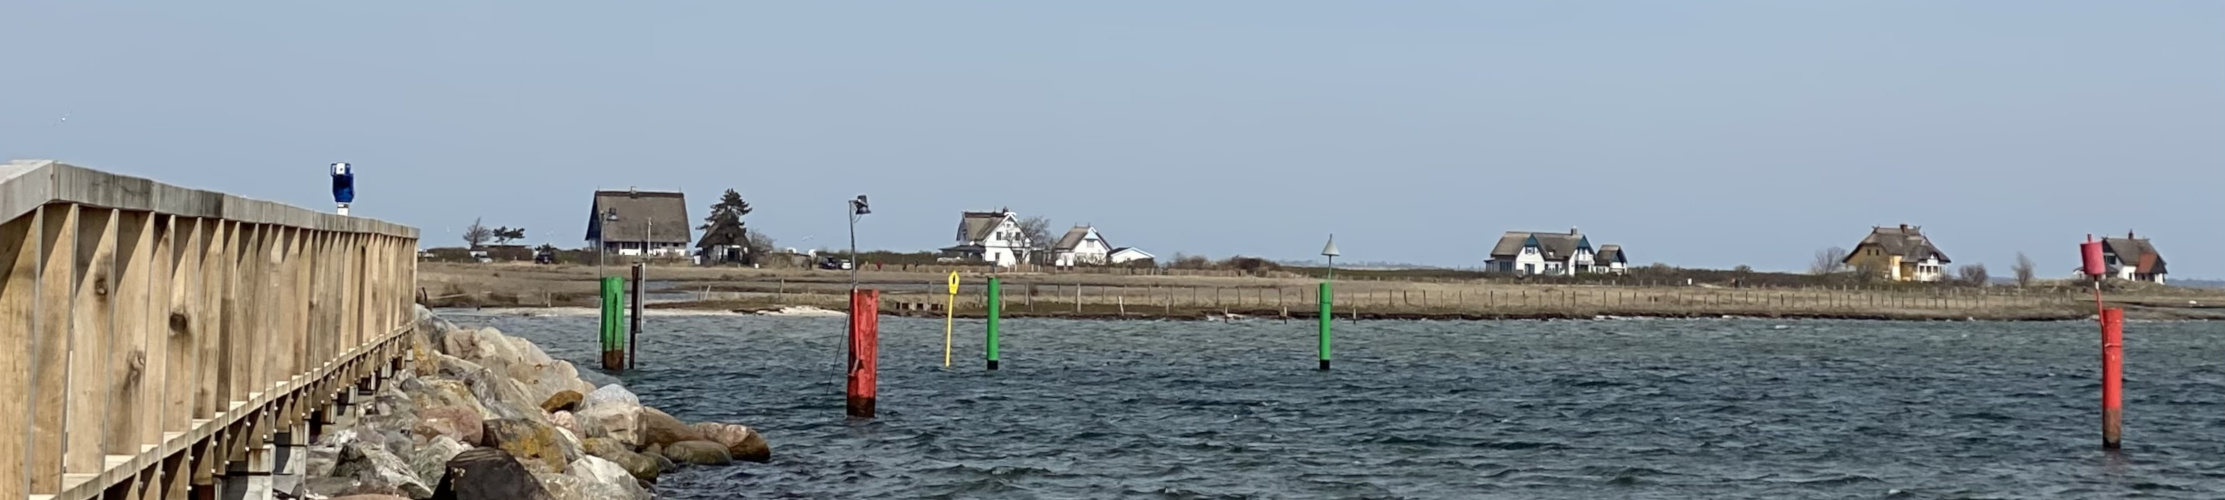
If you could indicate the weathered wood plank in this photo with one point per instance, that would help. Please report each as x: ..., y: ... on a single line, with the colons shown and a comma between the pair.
x: 19, y: 287
x: 183, y: 321
x: 209, y: 307
x: 127, y: 340
x: 155, y: 332
x: 50, y: 351
x: 90, y: 321
x: 297, y: 326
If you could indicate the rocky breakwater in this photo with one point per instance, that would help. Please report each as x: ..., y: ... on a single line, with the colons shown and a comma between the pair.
x: 482, y: 415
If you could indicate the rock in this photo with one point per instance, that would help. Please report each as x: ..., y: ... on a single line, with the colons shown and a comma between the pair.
x: 594, y: 379
x: 565, y: 400
x: 431, y: 460
x: 615, y: 421
x: 459, y: 423
x: 620, y: 482
x: 446, y: 394
x: 372, y: 465
x: 698, y: 453
x: 501, y: 396
x: 657, y: 427
x: 488, y: 474
x: 742, y: 442
x: 325, y: 486
x: 640, y: 466
x: 612, y: 393
x: 461, y: 345
x: 664, y: 463
x: 565, y: 420
x: 370, y: 497
x: 529, y: 442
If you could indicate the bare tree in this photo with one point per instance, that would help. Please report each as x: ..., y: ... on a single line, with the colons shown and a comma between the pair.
x: 476, y: 235
x: 1828, y: 261
x: 1871, y: 270
x: 1974, y: 275
x: 759, y: 246
x: 1037, y: 229
x: 2023, y: 270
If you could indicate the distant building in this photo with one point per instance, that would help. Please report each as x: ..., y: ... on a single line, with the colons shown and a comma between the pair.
x: 1081, y: 246
x: 2133, y: 259
x: 1126, y: 255
x: 992, y: 237
x: 1552, y: 254
x: 1901, y: 253
x: 636, y: 222
x: 1611, y: 260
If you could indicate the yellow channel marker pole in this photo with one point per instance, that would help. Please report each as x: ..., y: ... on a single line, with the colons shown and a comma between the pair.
x: 948, y: 313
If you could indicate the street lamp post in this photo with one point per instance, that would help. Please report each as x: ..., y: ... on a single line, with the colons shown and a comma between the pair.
x: 858, y: 210
x: 602, y: 243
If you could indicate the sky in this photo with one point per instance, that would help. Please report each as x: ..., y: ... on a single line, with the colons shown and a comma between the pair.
x: 1698, y: 134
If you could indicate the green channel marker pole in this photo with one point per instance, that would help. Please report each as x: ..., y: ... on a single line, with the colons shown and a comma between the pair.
x: 996, y: 309
x: 614, y: 307
x: 1326, y: 318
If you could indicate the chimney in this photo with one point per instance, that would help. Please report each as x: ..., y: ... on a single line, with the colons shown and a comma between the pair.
x: 2128, y: 234
x: 1572, y: 231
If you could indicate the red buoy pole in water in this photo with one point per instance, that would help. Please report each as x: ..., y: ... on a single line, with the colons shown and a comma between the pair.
x: 865, y: 339
x: 2112, y: 377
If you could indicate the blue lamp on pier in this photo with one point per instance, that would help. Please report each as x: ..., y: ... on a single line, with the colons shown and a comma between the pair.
x: 343, y: 185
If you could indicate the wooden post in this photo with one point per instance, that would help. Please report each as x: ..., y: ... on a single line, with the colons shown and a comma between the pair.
x: 127, y: 357
x: 21, y: 241
x: 89, y: 328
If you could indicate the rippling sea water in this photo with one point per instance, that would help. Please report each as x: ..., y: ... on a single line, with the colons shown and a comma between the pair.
x: 1563, y: 409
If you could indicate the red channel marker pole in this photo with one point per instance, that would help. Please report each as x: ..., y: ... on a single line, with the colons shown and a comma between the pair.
x: 2112, y: 377
x: 865, y: 335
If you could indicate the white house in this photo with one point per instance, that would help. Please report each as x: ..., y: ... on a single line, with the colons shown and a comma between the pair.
x: 992, y: 237
x: 1125, y: 255
x: 1081, y: 246
x: 2133, y: 259
x: 1552, y: 254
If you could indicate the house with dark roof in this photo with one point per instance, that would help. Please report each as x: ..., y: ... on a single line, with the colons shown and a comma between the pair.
x: 2133, y: 258
x: 636, y: 222
x: 1901, y: 253
x: 993, y: 237
x: 1081, y: 246
x: 1553, y: 254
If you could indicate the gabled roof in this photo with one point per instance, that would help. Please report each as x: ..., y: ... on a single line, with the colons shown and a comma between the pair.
x: 977, y: 226
x: 635, y: 210
x: 1074, y: 237
x: 1138, y: 251
x: 2137, y: 252
x: 1555, y: 245
x: 1609, y: 254
x: 1905, y: 241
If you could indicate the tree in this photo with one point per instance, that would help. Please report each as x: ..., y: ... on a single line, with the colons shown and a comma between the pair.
x: 504, y: 235
x: 477, y: 235
x: 1870, y: 270
x: 2023, y: 270
x: 1974, y: 275
x: 1828, y: 261
x: 724, y: 228
x: 1037, y: 229
x: 759, y: 245
x: 1743, y: 269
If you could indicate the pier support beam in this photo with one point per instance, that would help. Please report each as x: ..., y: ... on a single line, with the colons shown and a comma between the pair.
x: 248, y: 476
x: 292, y: 447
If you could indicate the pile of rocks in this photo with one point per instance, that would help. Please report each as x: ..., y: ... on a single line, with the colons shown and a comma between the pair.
x: 484, y: 415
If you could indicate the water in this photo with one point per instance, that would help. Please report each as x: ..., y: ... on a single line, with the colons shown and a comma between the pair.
x: 1565, y: 409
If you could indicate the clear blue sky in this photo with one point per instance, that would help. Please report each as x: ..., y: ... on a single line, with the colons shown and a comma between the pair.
x: 1705, y: 134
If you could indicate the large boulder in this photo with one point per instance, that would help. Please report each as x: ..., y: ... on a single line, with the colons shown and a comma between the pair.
x: 567, y: 421
x: 374, y: 467
x: 370, y: 497
x: 613, y: 480
x: 455, y: 422
x: 431, y: 460
x: 533, y: 443
x: 442, y: 393
x: 502, y: 396
x: 564, y: 400
x: 658, y: 427
x: 742, y: 442
x: 488, y: 474
x: 640, y: 466
x: 612, y: 393
x: 698, y: 453
x: 615, y: 421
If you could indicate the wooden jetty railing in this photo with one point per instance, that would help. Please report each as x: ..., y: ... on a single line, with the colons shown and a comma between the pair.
x: 165, y: 342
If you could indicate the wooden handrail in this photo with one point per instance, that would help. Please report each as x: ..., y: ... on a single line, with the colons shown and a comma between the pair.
x: 159, y: 331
